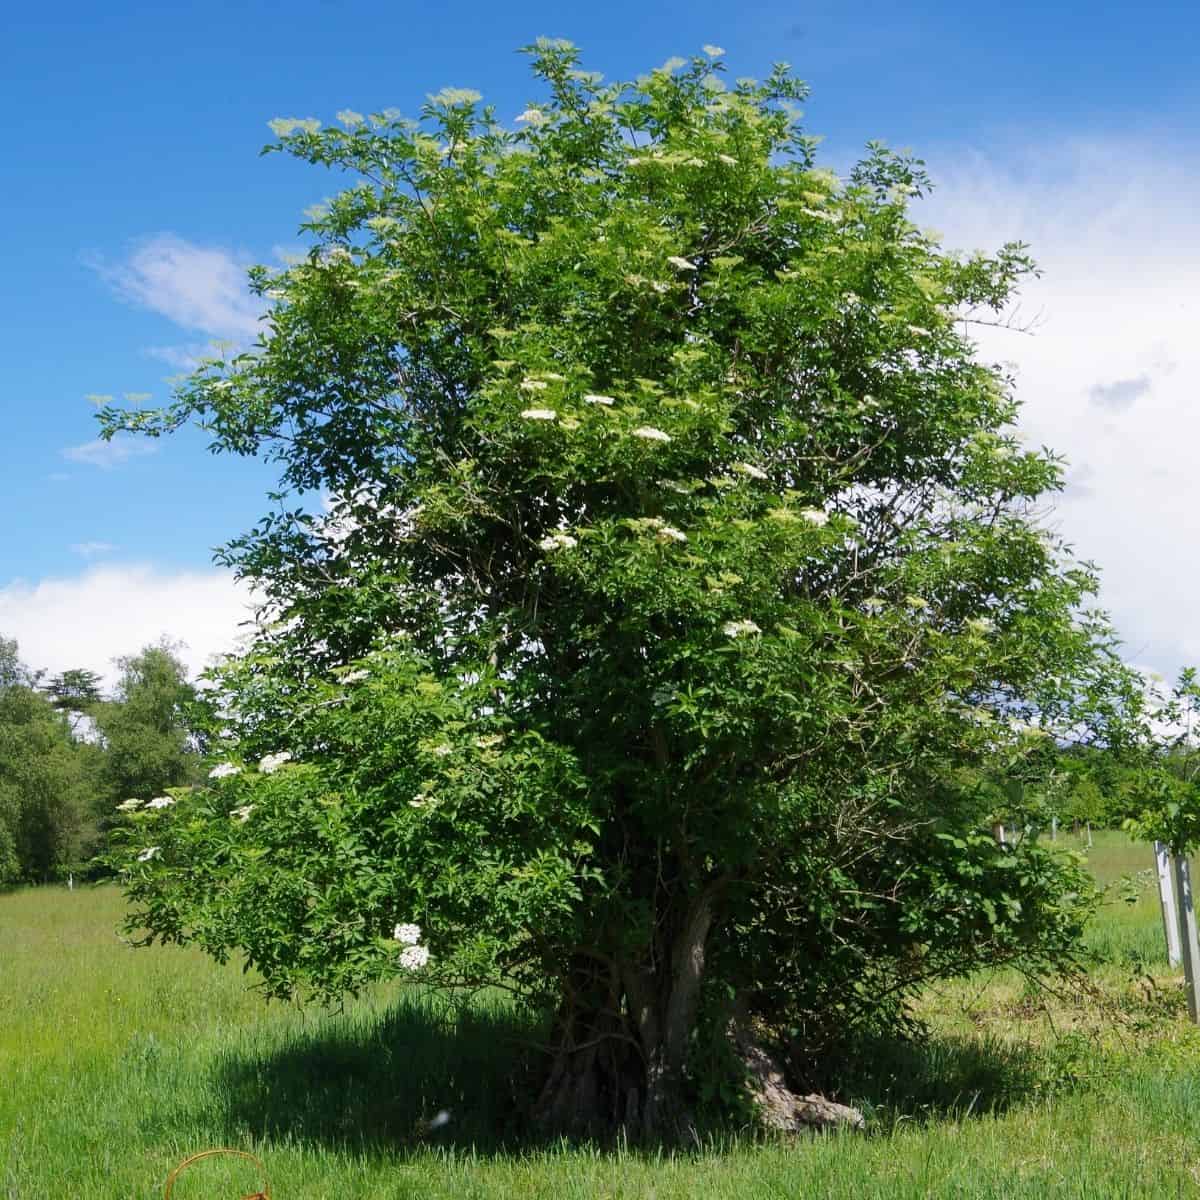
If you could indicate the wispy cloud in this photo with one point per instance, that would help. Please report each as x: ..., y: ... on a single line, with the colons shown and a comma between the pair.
x: 92, y: 549
x: 107, y: 455
x: 183, y: 358
x: 200, y: 288
x: 1120, y: 394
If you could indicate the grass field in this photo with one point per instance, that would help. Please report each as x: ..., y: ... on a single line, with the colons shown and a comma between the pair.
x: 116, y: 1063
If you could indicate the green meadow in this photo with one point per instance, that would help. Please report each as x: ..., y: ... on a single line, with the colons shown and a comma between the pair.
x: 116, y: 1063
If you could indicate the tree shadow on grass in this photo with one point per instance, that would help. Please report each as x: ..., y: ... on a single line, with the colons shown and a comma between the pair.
x: 424, y: 1073
x: 383, y: 1081
x: 939, y: 1077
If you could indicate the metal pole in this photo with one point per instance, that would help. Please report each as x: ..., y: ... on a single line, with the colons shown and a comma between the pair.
x: 1187, y: 933
x: 1166, y: 900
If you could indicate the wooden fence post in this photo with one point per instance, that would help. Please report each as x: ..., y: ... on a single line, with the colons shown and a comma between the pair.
x: 1166, y: 900
x: 1187, y: 932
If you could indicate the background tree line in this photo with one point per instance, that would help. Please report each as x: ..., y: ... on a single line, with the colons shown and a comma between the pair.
x: 69, y: 754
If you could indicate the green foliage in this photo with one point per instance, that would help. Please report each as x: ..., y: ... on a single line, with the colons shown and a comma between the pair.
x: 1165, y: 798
x: 75, y: 690
x: 679, y: 561
x: 145, y: 727
x: 45, y: 781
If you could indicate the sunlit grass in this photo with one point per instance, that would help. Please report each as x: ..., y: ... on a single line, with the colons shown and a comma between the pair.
x: 115, y: 1063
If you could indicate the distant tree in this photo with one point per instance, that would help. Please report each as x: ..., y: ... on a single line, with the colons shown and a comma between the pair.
x: 145, y: 726
x: 12, y: 670
x: 47, y: 780
x: 75, y: 690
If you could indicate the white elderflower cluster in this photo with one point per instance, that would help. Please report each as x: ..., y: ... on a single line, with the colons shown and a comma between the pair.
x: 534, y: 385
x: 558, y: 541
x: 981, y: 625
x: 149, y: 853
x: 815, y: 516
x: 681, y: 264
x: 414, y: 956
x: 651, y: 434
x: 407, y: 934
x: 242, y: 814
x: 355, y: 676
x: 539, y: 414
x: 270, y: 763
x: 225, y: 770
x: 592, y: 398
x: 160, y: 802
x: 129, y: 805
x: 735, y: 629
x: 749, y: 469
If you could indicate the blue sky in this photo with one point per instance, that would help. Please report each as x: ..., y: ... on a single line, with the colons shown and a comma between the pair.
x: 134, y: 195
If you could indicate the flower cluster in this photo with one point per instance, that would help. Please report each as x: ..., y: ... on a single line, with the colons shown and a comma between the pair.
x: 539, y: 414
x: 270, y: 763
x: 414, y: 956
x: 751, y: 470
x: 558, y: 541
x: 160, y: 802
x: 651, y: 434
x: 224, y: 770
x: 735, y: 629
x: 661, y: 530
x: 241, y: 814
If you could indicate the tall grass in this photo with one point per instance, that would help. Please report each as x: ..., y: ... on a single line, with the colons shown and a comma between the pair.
x: 115, y: 1063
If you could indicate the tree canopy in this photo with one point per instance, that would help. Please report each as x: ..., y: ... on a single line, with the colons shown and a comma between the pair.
x: 678, y: 556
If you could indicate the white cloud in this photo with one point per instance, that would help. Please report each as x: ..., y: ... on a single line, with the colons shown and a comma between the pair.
x: 1107, y: 377
x: 92, y: 549
x: 202, y: 288
x: 107, y: 455
x: 87, y: 620
x: 183, y: 358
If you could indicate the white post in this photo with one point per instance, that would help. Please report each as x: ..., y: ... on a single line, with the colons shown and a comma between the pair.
x: 1089, y: 829
x: 70, y: 882
x: 1054, y: 829
x: 1187, y: 933
x: 1166, y: 900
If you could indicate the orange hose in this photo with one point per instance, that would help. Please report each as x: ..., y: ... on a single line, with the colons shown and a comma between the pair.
x: 265, y: 1194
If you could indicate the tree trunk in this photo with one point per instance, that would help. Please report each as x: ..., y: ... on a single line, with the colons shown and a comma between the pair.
x: 621, y: 1047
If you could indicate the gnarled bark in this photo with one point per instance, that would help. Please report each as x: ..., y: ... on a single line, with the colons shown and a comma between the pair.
x: 621, y: 1042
